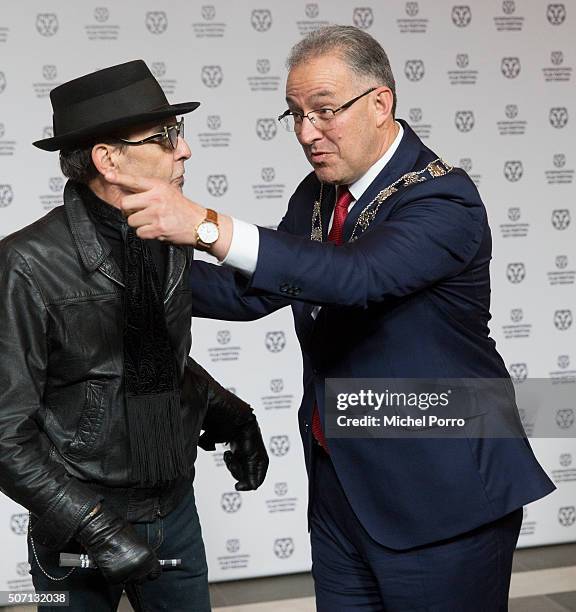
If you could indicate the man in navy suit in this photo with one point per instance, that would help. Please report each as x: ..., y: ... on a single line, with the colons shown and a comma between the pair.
x: 383, y: 255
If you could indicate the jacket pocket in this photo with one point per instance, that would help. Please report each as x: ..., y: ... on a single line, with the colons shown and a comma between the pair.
x: 91, y: 421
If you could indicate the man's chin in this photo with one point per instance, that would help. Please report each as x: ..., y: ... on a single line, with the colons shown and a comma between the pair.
x: 325, y: 174
x: 178, y: 183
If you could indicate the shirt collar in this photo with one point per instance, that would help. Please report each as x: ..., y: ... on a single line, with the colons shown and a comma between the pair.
x: 359, y: 187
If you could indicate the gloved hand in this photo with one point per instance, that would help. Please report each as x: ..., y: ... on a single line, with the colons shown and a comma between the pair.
x: 113, y: 544
x: 247, y: 459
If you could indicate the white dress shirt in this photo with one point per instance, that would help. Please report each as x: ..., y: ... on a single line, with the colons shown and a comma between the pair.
x: 243, y: 252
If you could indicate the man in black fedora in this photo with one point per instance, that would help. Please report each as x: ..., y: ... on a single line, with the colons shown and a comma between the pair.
x: 100, y: 404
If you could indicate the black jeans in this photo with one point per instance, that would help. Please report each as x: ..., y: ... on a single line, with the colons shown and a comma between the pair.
x: 184, y: 589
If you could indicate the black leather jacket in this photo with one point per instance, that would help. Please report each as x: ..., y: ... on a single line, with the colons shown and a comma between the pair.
x: 63, y: 439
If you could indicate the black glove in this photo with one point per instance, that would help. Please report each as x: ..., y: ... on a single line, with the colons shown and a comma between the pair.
x: 247, y: 458
x: 228, y: 420
x: 116, y: 548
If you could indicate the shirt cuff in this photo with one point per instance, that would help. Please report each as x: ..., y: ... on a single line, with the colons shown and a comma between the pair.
x: 243, y: 252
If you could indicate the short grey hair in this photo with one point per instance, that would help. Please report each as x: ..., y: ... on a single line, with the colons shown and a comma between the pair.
x: 362, y: 53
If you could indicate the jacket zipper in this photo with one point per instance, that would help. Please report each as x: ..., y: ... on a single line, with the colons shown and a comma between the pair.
x: 111, y: 278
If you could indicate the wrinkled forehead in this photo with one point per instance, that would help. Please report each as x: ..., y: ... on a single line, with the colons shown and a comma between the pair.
x: 319, y: 78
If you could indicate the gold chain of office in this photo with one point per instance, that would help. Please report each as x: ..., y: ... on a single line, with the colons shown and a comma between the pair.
x: 434, y: 169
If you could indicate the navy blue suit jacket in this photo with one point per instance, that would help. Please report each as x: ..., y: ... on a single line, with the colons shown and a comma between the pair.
x: 408, y: 299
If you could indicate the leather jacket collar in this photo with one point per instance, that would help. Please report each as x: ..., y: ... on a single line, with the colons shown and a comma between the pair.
x: 97, y: 256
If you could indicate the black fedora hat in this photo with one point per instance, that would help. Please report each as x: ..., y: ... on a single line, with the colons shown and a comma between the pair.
x: 104, y: 101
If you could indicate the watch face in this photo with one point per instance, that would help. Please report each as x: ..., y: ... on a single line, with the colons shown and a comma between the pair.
x: 208, y: 232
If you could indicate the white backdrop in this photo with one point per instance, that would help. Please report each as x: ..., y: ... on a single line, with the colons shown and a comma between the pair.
x: 487, y: 84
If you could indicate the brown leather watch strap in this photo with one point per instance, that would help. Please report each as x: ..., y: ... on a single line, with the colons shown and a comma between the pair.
x: 211, y: 215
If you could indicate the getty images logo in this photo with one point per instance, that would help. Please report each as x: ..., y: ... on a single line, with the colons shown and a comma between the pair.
x: 2, y: 82
x: 217, y: 185
x: 461, y: 16
x: 464, y: 120
x: 414, y: 70
x: 47, y: 24
x: 363, y: 17
x: 558, y: 116
x: 212, y: 76
x: 156, y: 22
x: 261, y: 19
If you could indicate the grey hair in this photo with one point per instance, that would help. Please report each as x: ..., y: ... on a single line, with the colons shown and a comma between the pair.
x: 361, y: 52
x: 77, y: 164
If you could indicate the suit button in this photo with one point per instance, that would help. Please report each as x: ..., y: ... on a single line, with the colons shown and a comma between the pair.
x: 284, y: 288
x: 297, y: 291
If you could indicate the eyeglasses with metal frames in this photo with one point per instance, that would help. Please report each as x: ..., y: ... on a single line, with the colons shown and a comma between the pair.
x: 321, y: 118
x: 169, y: 133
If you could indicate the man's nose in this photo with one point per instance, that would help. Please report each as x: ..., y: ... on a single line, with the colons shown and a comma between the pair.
x: 308, y: 133
x: 182, y: 150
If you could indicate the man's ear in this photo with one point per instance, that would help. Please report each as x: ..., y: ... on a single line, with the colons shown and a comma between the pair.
x: 104, y: 157
x: 384, y: 100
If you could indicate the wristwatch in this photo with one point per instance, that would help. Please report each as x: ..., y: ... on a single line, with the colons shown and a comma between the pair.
x: 207, y: 232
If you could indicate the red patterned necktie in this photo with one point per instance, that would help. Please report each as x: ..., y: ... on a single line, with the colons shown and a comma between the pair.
x: 335, y: 235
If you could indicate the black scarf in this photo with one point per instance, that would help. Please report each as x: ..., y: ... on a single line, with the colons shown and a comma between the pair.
x: 152, y: 389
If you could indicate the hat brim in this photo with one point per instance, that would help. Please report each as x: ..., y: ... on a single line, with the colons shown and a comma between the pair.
x: 105, y: 129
